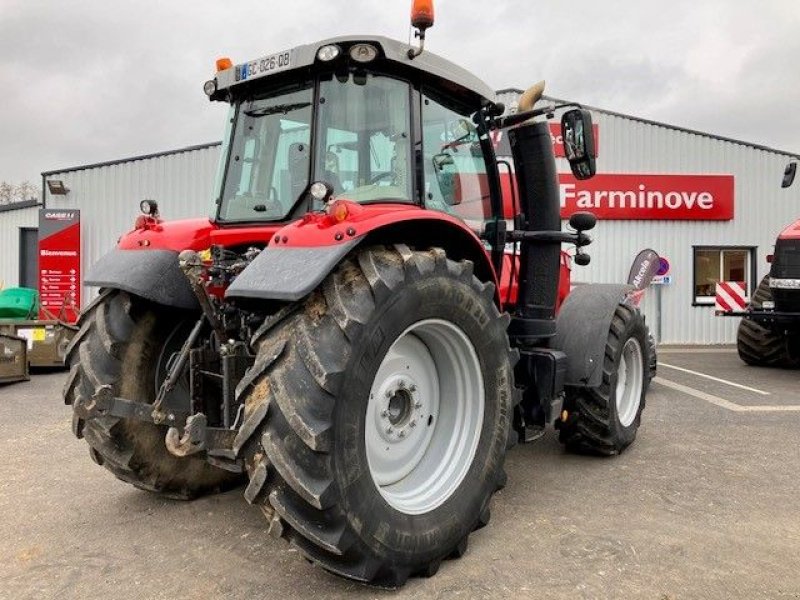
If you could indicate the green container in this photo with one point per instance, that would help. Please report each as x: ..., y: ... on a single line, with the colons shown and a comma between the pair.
x: 19, y: 303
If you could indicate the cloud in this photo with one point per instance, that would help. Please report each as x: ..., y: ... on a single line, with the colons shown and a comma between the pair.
x: 87, y: 81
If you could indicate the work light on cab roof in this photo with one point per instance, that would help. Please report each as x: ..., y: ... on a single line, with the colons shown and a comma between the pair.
x: 329, y: 52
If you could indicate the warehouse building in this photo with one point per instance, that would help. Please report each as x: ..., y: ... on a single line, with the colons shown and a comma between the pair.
x: 711, y: 206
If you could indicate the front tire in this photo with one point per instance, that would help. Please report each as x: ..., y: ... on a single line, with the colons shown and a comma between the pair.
x: 385, y: 406
x: 120, y: 344
x: 604, y: 420
x: 761, y: 347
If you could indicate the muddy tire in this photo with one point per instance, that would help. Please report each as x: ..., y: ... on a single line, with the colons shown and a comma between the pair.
x: 381, y: 409
x: 604, y: 420
x: 119, y: 344
x: 762, y: 347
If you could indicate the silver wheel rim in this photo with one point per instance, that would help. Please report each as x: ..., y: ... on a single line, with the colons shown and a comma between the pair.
x: 424, y: 416
x: 630, y: 377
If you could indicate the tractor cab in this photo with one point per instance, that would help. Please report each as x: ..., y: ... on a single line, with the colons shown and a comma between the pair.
x: 359, y: 116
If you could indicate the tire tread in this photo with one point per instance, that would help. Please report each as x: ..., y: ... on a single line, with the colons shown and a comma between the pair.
x: 299, y: 491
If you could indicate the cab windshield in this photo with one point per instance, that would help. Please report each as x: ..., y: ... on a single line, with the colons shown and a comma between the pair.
x: 361, y: 147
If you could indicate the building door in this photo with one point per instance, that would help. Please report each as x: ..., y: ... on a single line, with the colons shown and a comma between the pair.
x: 29, y: 257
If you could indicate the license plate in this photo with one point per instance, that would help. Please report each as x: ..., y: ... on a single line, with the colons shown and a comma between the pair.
x: 264, y: 66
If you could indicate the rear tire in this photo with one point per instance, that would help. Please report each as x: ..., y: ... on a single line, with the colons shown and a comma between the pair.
x: 604, y: 420
x: 118, y: 344
x: 762, y: 347
x: 329, y: 465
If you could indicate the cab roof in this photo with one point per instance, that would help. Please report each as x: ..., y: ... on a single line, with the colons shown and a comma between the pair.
x: 431, y: 68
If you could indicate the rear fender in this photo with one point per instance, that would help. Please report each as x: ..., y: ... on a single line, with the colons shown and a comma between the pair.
x: 304, y: 253
x: 151, y: 274
x: 582, y: 330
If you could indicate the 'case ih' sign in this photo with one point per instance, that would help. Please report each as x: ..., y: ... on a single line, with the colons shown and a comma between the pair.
x: 659, y: 197
x: 59, y: 264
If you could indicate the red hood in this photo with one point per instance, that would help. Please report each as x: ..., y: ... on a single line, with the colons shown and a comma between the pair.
x: 792, y: 232
x: 194, y: 234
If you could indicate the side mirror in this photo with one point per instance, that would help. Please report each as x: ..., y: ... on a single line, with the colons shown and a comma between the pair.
x: 578, y: 136
x: 788, y: 174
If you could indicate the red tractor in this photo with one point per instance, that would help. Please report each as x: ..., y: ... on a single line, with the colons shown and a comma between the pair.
x: 769, y: 332
x: 361, y: 329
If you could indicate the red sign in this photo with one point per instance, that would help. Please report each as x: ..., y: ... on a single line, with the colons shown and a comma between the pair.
x: 502, y: 146
x: 59, y: 264
x: 657, y: 197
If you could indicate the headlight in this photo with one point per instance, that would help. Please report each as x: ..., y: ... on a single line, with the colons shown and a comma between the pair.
x: 328, y: 53
x: 363, y: 53
x: 210, y: 87
x: 149, y: 207
x: 320, y: 191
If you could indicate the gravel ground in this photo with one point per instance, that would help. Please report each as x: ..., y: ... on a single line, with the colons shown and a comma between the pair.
x: 705, y: 504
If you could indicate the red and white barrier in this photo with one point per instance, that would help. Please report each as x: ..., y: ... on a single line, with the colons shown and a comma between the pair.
x: 730, y: 296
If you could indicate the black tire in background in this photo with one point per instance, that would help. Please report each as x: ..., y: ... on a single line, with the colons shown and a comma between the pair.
x: 596, y: 424
x: 652, y: 360
x: 762, y: 347
x: 119, y: 344
x: 310, y: 395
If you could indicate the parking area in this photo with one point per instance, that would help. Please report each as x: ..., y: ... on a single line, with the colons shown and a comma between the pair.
x: 705, y: 504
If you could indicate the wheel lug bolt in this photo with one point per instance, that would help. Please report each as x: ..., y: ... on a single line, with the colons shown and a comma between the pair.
x: 412, y: 424
x: 417, y: 404
x: 388, y: 393
x: 384, y: 413
x: 402, y: 433
x: 389, y: 430
x: 412, y: 388
x: 401, y: 384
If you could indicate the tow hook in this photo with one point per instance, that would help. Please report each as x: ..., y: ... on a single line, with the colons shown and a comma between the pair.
x: 193, y: 439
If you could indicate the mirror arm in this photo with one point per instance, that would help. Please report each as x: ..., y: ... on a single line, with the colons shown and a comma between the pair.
x: 517, y: 118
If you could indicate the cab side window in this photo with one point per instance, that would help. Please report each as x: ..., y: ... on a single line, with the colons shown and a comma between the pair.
x: 454, y: 167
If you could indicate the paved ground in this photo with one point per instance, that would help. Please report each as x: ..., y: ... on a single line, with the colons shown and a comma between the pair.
x: 705, y: 504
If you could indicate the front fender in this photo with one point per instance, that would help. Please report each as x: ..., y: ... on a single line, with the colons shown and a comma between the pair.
x: 151, y: 274
x: 582, y: 329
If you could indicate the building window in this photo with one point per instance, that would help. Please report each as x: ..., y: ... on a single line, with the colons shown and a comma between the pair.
x: 715, y: 264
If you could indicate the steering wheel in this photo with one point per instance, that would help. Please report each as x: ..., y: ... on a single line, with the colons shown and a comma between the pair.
x: 381, y: 176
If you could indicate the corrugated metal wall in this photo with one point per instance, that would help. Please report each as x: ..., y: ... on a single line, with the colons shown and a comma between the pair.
x: 109, y: 195
x: 762, y: 210
x: 10, y: 223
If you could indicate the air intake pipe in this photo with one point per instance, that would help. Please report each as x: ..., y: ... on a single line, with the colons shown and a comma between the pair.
x: 540, y: 254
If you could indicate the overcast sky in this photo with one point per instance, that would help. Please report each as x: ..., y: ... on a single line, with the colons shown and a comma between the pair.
x: 88, y: 81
